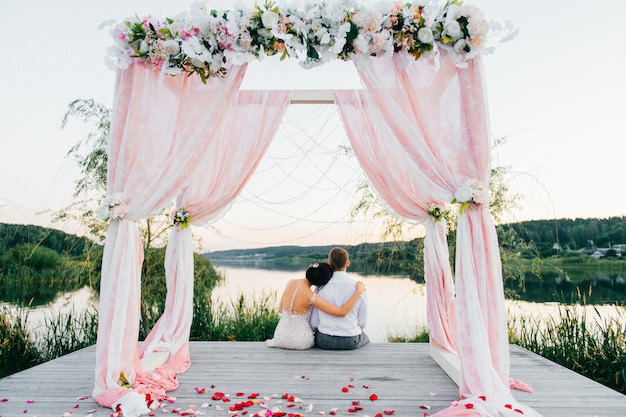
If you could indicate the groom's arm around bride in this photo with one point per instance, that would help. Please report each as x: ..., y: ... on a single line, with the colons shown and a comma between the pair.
x: 340, y: 333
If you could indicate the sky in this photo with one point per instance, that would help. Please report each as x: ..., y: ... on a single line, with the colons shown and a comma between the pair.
x: 557, y: 94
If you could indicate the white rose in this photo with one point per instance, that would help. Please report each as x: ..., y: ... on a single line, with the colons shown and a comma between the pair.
x: 269, y: 19
x: 464, y: 194
x: 453, y: 29
x: 172, y: 47
x: 104, y: 212
x: 118, y: 212
x: 425, y: 35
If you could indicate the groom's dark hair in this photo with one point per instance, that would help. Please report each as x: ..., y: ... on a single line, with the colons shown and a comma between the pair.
x: 338, y: 258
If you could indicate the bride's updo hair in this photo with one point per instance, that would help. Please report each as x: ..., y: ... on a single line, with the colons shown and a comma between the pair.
x: 319, y: 274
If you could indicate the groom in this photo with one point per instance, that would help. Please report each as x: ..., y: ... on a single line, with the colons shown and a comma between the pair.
x: 340, y: 333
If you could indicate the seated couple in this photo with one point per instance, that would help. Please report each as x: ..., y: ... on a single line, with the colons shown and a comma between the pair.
x: 332, y: 317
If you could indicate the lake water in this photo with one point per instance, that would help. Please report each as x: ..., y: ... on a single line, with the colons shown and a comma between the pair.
x: 396, y: 304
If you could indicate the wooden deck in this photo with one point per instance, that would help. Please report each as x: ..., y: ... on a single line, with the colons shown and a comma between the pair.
x: 402, y: 375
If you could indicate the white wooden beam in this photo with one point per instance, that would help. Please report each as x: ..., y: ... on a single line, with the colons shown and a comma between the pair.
x: 311, y: 97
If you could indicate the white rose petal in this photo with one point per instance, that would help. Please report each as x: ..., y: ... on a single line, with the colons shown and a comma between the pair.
x: 143, y: 47
x: 459, y: 45
x: 104, y: 212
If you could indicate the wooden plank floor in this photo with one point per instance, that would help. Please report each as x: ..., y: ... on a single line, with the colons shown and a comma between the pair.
x: 402, y: 375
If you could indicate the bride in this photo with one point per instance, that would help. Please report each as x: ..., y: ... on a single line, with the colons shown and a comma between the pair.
x: 293, y: 330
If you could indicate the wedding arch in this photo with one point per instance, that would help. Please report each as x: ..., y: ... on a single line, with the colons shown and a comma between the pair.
x: 183, y: 130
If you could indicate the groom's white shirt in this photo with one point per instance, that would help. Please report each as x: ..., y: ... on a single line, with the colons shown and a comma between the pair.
x: 339, y: 290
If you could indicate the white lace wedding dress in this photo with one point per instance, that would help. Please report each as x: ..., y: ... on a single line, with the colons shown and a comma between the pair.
x: 293, y: 330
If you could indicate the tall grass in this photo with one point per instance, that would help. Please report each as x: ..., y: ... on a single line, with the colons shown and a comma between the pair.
x: 593, y: 348
x: 64, y: 333
x: 241, y: 319
x: 17, y: 350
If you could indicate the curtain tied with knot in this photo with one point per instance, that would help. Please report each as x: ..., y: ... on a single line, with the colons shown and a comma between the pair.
x: 171, y: 138
x: 419, y: 130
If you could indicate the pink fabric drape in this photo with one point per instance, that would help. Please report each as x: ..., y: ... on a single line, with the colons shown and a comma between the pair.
x: 156, y: 129
x: 228, y: 158
x: 422, y: 134
x: 408, y: 191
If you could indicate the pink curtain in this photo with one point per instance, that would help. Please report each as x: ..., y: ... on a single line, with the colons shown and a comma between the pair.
x: 408, y: 192
x: 420, y: 133
x: 228, y: 158
x: 157, y: 127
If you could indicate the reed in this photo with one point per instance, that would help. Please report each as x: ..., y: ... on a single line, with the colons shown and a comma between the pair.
x: 243, y: 319
x: 66, y: 332
x: 17, y: 349
x: 595, y: 348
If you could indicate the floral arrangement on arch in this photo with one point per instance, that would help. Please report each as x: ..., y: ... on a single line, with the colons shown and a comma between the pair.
x: 112, y: 207
x: 437, y: 210
x: 472, y: 191
x: 181, y: 217
x: 207, y: 42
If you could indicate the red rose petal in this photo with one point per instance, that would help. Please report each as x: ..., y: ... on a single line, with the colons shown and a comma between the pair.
x: 373, y: 397
x: 350, y: 386
x: 290, y: 405
x: 4, y: 400
x: 285, y: 396
x: 366, y: 386
x: 378, y: 415
x: 279, y: 414
x: 517, y: 410
x: 482, y: 397
x: 389, y: 412
x: 332, y: 413
x: 240, y: 394
x: 356, y: 402
x: 345, y: 389
x: 253, y: 395
x: 469, y: 405
x: 76, y: 406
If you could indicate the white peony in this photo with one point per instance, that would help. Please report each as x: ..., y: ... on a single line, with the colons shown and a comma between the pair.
x: 172, y: 47
x: 269, y: 19
x: 464, y: 194
x: 425, y: 35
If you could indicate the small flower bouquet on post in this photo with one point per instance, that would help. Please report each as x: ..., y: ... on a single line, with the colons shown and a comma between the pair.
x: 181, y: 217
x: 113, y: 208
x: 473, y: 191
x: 437, y: 210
